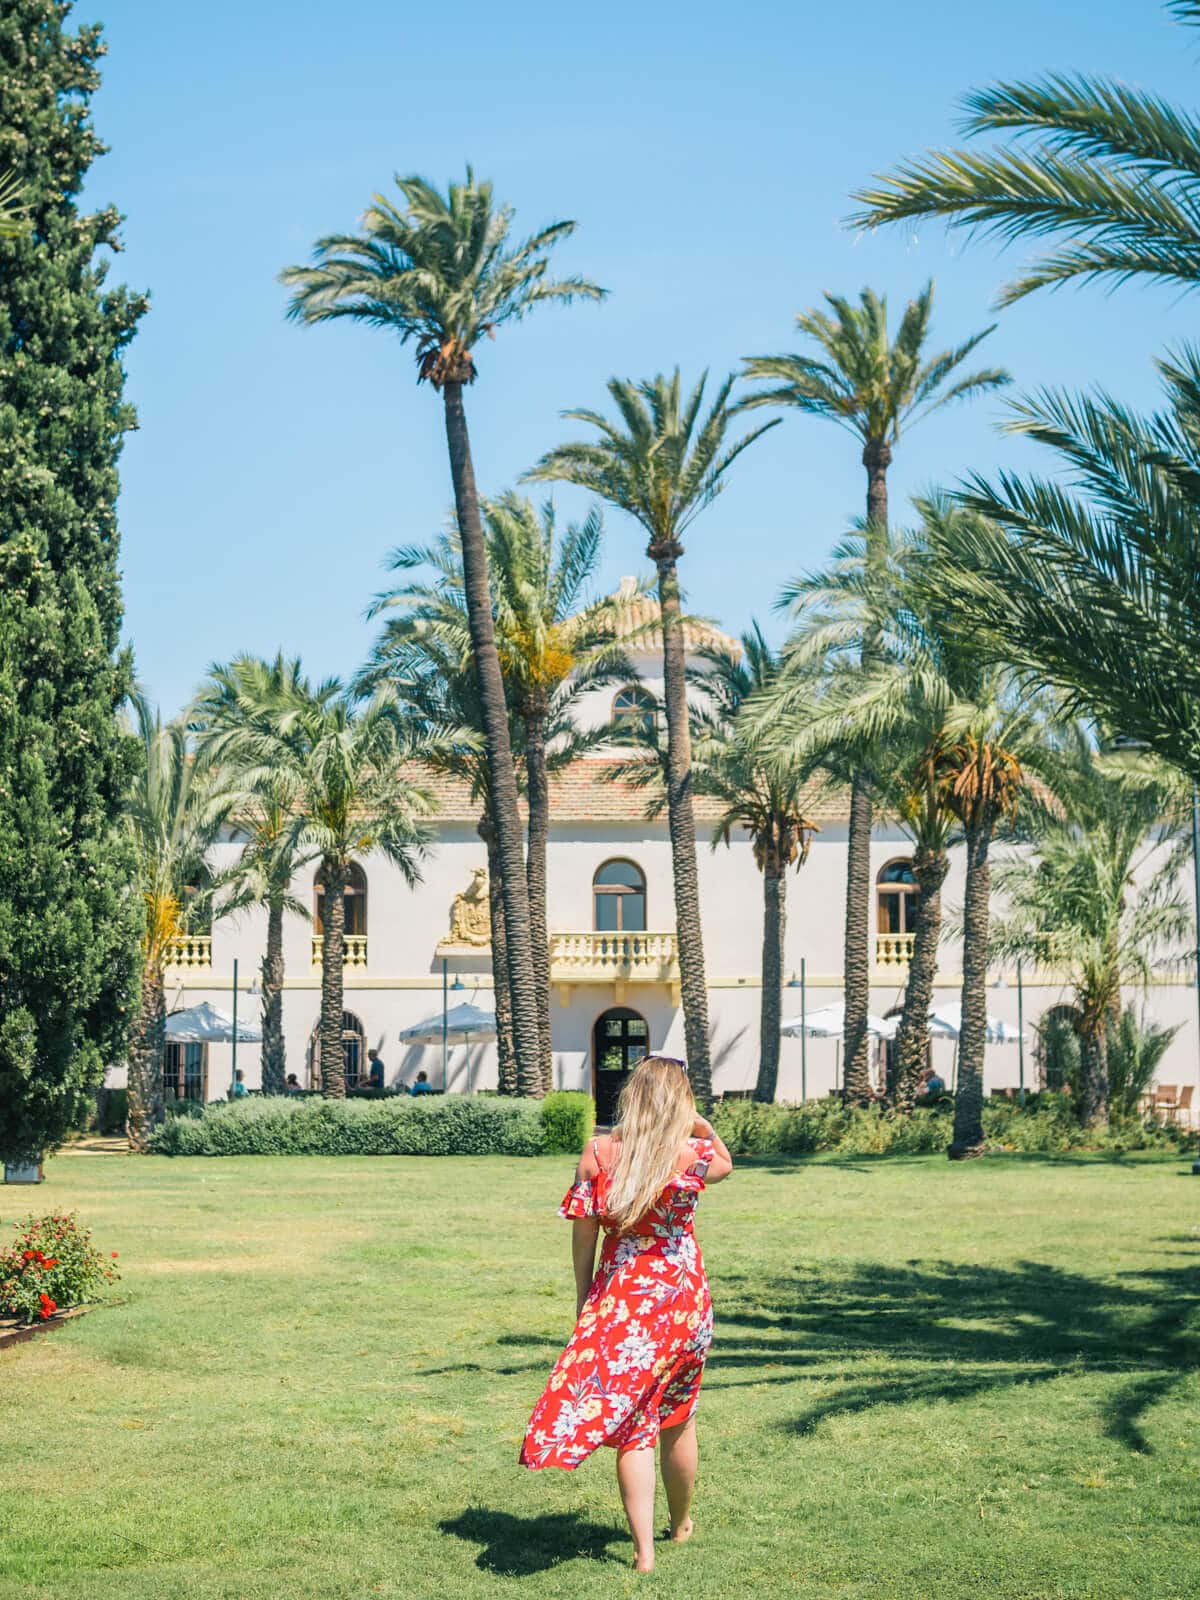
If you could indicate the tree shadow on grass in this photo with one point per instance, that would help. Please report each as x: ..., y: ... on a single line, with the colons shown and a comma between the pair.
x: 518, y: 1547
x: 928, y: 1331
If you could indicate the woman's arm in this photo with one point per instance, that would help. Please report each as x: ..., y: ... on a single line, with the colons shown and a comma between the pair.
x: 722, y: 1163
x: 584, y: 1233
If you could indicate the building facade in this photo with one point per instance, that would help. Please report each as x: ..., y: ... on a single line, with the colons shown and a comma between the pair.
x: 613, y: 956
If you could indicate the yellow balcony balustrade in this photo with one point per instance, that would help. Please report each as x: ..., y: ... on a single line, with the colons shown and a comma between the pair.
x: 354, y: 954
x: 616, y: 958
x: 893, y: 949
x: 190, y: 950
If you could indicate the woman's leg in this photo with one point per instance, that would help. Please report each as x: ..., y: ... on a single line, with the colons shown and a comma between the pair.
x: 679, y: 1458
x: 635, y: 1478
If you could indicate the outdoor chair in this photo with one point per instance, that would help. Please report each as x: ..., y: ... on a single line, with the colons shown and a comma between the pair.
x: 1181, y: 1111
x: 1166, y: 1099
x: 738, y: 1094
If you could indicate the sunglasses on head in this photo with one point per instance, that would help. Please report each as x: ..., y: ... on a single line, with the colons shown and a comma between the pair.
x: 675, y: 1062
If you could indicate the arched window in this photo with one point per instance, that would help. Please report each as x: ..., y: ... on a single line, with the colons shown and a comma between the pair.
x: 356, y: 901
x: 354, y: 1053
x: 619, y: 898
x: 635, y: 709
x: 896, y: 892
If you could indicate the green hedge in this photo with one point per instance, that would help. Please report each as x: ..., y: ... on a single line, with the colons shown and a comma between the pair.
x: 1046, y: 1124
x: 568, y: 1118
x: 450, y: 1125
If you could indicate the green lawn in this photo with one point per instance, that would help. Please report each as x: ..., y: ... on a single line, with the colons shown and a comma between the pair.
x: 928, y: 1380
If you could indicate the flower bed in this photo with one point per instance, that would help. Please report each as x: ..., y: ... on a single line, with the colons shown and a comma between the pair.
x: 50, y: 1266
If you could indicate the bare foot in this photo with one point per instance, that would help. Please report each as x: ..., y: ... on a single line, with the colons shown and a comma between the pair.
x: 683, y: 1532
x: 644, y: 1563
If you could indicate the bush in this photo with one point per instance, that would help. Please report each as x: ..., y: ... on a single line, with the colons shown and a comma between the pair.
x: 1045, y: 1125
x: 50, y: 1265
x: 454, y: 1125
x: 568, y: 1118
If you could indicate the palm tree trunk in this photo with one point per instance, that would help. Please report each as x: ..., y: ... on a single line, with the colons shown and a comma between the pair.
x: 535, y: 871
x: 856, y: 956
x: 912, y: 1037
x: 519, y: 943
x: 274, y: 1056
x: 1093, y: 1069
x: 333, y: 956
x: 506, y: 1057
x: 146, y: 1044
x: 774, y: 926
x: 682, y: 828
x: 968, y: 1100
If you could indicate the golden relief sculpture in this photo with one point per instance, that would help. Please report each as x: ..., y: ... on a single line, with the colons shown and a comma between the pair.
x: 470, y: 918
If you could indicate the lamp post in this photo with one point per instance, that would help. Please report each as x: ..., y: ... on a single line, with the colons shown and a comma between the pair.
x: 1020, y: 1036
x: 801, y: 984
x: 446, y: 987
x: 233, y: 1052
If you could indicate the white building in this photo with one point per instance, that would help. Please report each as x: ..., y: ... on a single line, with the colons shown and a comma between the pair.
x: 614, y: 970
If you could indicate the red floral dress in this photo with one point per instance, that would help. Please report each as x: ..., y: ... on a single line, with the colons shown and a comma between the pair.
x: 634, y: 1363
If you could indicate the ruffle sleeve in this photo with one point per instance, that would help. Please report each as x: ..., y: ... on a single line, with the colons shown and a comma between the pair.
x: 579, y: 1200
x: 705, y: 1151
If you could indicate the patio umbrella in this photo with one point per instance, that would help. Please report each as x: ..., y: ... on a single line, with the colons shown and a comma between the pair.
x: 830, y: 1023
x: 205, y: 1024
x: 947, y: 1021
x: 463, y: 1023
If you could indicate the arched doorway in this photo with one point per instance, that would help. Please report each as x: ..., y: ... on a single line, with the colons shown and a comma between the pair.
x: 620, y: 1039
x: 354, y: 1053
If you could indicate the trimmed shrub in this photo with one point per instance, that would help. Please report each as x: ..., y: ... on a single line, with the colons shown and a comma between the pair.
x: 1045, y: 1125
x: 454, y: 1125
x: 568, y: 1118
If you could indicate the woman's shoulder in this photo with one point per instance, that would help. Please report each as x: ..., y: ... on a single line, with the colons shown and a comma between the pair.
x: 598, y: 1156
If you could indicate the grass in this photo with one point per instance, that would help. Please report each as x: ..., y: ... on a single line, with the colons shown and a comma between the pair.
x: 928, y: 1380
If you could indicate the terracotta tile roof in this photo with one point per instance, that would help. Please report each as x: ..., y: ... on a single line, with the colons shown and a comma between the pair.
x: 586, y: 792
x: 640, y: 612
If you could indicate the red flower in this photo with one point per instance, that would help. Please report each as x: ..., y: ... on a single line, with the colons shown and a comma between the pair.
x: 28, y: 1256
x: 49, y: 1307
x: 114, y: 1255
x: 51, y: 1261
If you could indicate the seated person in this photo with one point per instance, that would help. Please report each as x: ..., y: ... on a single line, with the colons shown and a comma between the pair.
x: 292, y: 1084
x: 239, y: 1085
x: 422, y: 1085
x: 375, y: 1070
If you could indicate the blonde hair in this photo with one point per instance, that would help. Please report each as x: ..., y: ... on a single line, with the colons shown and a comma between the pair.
x: 654, y: 1116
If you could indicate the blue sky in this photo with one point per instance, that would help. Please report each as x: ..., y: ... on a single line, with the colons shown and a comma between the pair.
x: 707, y: 153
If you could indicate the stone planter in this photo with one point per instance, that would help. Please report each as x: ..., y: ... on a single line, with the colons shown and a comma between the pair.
x: 23, y: 1172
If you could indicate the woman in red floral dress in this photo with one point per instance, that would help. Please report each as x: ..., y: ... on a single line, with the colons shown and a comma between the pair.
x: 630, y: 1374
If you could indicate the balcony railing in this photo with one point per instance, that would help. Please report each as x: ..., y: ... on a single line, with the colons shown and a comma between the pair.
x: 614, y: 958
x: 893, y: 949
x: 190, y: 950
x: 354, y: 954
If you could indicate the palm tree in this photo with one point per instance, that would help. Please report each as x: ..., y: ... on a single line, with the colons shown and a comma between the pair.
x: 876, y: 388
x: 1089, y: 584
x: 440, y: 270
x: 438, y: 689
x: 552, y: 646
x: 242, y: 698
x: 663, y: 463
x: 352, y: 766
x: 176, y: 813
x: 1083, y: 903
x: 1109, y: 170
x: 763, y: 791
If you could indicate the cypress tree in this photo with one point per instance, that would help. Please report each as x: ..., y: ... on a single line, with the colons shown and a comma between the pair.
x: 70, y: 920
